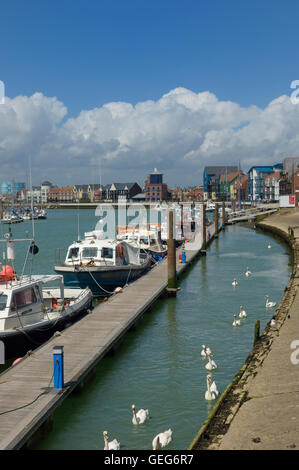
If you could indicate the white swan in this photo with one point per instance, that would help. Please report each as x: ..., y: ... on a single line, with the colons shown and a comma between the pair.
x: 269, y: 246
x: 162, y: 439
x: 234, y: 283
x: 236, y: 322
x: 113, y: 445
x: 211, y: 392
x: 242, y: 313
x: 140, y: 416
x: 211, y: 364
x: 248, y: 272
x: 269, y: 304
x: 205, y: 351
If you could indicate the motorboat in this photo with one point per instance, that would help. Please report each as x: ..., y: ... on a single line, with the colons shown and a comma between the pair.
x: 102, y: 264
x: 33, y: 307
x: 149, y: 241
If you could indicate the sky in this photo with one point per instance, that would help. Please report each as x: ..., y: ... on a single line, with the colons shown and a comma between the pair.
x: 102, y: 91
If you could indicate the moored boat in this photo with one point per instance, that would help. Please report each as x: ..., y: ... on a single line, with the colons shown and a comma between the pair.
x: 32, y: 308
x: 102, y: 264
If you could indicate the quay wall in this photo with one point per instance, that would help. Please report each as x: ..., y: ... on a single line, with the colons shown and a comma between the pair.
x: 214, y: 433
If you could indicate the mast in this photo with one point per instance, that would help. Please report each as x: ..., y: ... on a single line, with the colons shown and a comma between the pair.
x: 239, y: 189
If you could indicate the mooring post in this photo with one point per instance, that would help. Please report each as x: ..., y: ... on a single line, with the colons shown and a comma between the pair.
x: 223, y: 215
x: 216, y: 220
x: 234, y: 205
x: 204, y: 229
x: 58, y: 367
x: 171, y: 256
x: 256, y: 332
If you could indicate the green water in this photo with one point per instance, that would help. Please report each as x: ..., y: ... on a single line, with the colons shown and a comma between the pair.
x: 159, y: 366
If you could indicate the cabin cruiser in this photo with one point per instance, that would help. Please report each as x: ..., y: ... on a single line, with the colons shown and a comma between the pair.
x: 148, y: 241
x: 32, y: 307
x: 102, y: 264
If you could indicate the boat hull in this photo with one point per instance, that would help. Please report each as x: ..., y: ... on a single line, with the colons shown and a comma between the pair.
x: 18, y: 342
x: 101, y: 281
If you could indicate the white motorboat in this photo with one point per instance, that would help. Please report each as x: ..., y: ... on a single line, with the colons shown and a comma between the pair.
x: 31, y: 307
x: 102, y: 264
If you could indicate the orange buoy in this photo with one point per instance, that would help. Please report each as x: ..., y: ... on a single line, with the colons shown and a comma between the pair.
x: 7, y: 273
x: 17, y: 360
x: 54, y: 303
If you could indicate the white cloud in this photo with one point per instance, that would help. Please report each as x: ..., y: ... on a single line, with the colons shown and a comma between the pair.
x: 180, y: 133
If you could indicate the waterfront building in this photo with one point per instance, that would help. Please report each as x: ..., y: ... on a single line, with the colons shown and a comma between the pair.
x: 211, y: 179
x: 122, y: 190
x: 290, y: 165
x: 45, y: 188
x: 228, y: 185
x: 34, y: 195
x: 271, y: 186
x: 155, y: 189
x: 256, y: 177
x: 64, y: 194
x: 8, y: 187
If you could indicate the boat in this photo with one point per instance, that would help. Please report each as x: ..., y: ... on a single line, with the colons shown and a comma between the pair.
x: 11, y: 217
x: 149, y: 241
x: 32, y: 307
x: 102, y: 264
x: 41, y: 214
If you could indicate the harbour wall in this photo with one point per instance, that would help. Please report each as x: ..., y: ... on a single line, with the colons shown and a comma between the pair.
x: 215, y: 431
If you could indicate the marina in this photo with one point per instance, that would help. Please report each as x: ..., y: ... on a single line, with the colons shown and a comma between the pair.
x: 143, y: 293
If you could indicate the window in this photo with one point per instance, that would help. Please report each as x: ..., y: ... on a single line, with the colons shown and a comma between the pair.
x: 90, y: 252
x: 73, y: 253
x: 3, y: 301
x: 23, y: 298
x: 107, y: 253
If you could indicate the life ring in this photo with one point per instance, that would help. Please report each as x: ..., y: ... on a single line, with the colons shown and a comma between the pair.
x: 120, y: 249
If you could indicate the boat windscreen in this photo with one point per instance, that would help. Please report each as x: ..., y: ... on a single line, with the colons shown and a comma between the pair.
x: 3, y: 301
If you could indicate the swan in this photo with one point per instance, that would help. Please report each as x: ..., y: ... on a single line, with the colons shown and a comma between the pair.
x: 211, y: 392
x: 211, y: 364
x: 113, y: 445
x: 140, y: 416
x: 242, y: 313
x: 234, y: 283
x: 248, y: 272
x: 269, y: 246
x: 273, y: 322
x: 269, y: 304
x: 205, y: 351
x: 236, y: 322
x: 162, y: 439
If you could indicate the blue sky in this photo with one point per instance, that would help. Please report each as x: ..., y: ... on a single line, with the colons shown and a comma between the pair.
x: 90, y: 53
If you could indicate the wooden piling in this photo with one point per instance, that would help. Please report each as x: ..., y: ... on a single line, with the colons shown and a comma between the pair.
x: 204, y: 228
x: 171, y: 255
x: 256, y: 332
x: 234, y: 205
x: 223, y: 215
x: 216, y: 220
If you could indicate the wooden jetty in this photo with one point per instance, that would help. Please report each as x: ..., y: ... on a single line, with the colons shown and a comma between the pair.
x: 27, y: 397
x: 246, y: 215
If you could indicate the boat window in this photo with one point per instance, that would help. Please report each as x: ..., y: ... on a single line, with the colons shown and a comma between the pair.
x: 73, y: 253
x: 89, y: 252
x: 144, y: 240
x: 152, y: 241
x: 23, y: 298
x: 3, y: 301
x: 107, y: 253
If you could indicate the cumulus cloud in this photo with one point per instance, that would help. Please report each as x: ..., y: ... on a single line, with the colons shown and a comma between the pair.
x: 180, y: 133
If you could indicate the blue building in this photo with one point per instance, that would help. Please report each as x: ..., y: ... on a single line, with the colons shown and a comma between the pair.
x: 256, y: 176
x: 8, y: 187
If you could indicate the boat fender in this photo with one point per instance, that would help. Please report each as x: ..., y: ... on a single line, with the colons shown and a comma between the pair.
x: 120, y: 251
x: 54, y: 303
x: 17, y: 360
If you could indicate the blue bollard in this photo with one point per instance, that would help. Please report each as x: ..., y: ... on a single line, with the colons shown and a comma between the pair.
x: 183, y: 256
x: 58, y: 367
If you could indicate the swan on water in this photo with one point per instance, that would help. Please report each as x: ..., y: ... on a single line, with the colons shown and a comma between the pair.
x: 211, y: 364
x: 269, y: 246
x: 234, y: 283
x: 162, y: 439
x: 211, y: 392
x: 268, y: 303
x: 140, y: 417
x: 113, y: 445
x: 242, y: 313
x: 205, y: 351
x: 248, y: 272
x: 236, y: 322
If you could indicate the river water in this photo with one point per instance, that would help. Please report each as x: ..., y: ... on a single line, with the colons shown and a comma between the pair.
x: 159, y: 366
